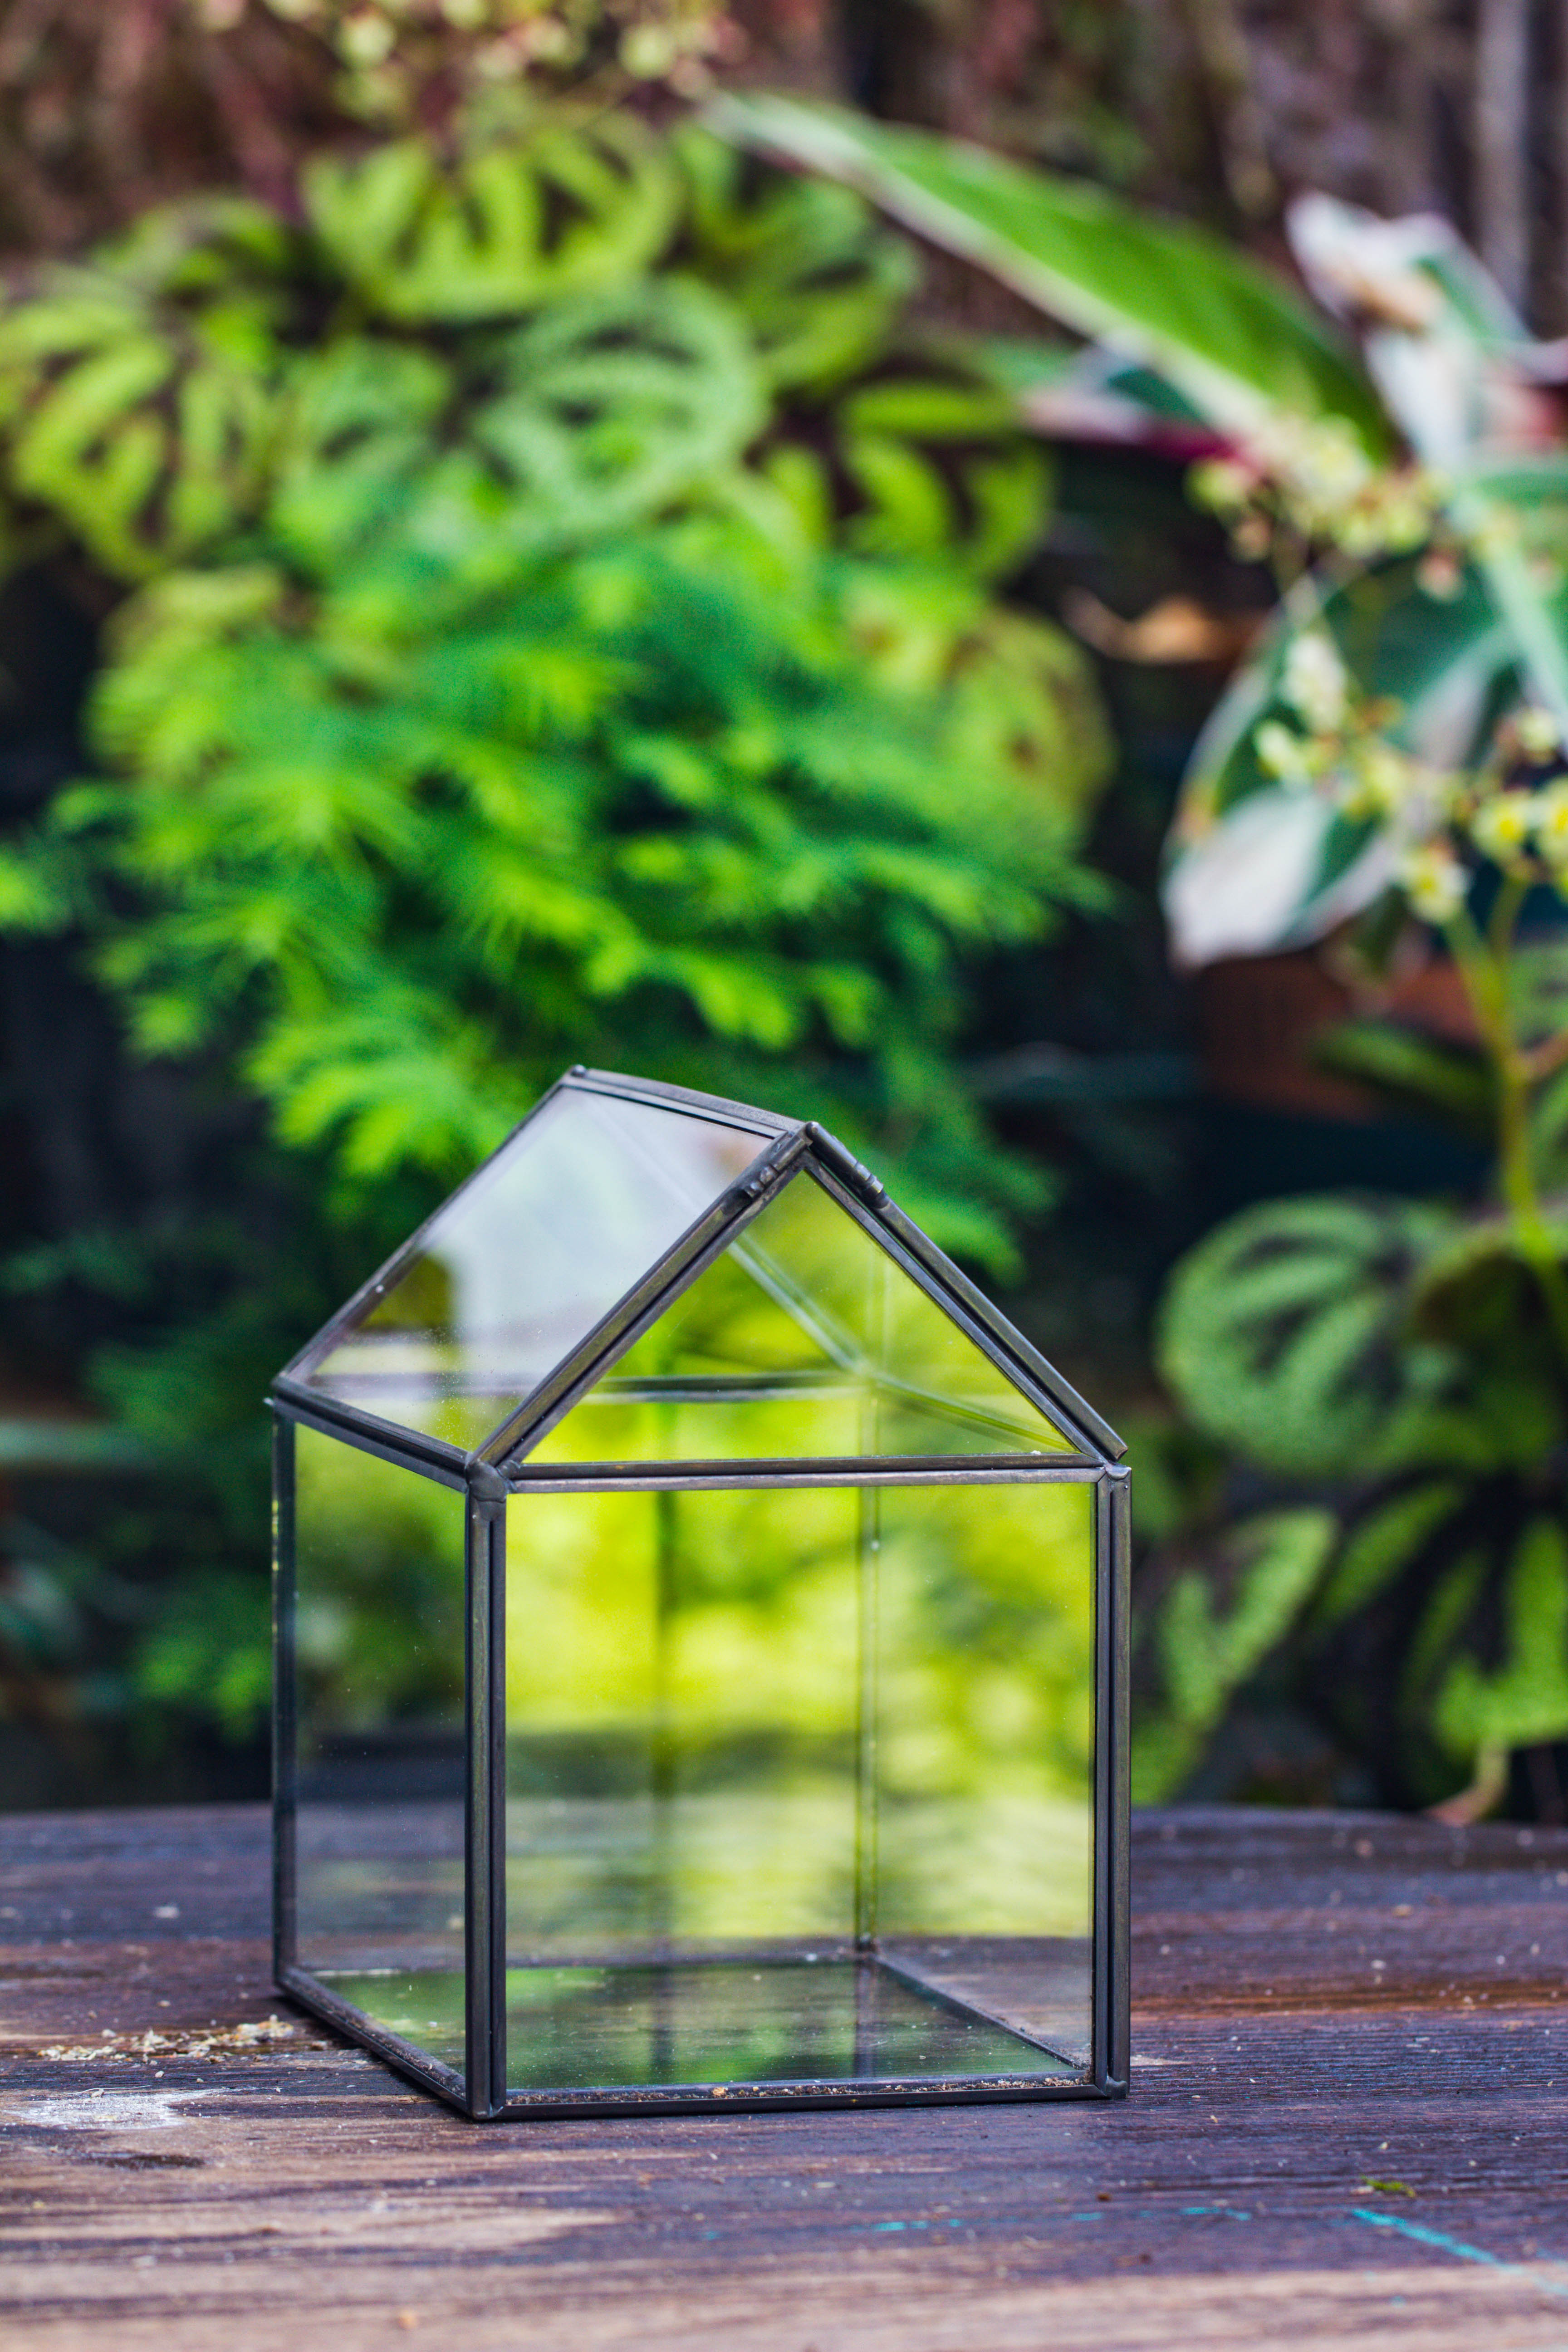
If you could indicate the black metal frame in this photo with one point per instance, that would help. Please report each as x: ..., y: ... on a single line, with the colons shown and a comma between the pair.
x: 493, y: 1472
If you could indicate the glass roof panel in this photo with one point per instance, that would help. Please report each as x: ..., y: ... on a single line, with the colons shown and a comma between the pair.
x: 803, y: 1338
x: 521, y: 1265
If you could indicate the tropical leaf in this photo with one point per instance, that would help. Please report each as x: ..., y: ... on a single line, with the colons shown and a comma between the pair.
x: 1377, y: 1548
x: 1523, y: 1699
x: 208, y: 246
x: 359, y: 429
x: 1412, y: 1071
x: 1262, y: 1575
x: 504, y: 228
x: 815, y: 274
x: 1253, y: 865
x: 1286, y: 1334
x: 614, y: 403
x: 1438, y: 1633
x: 130, y: 427
x: 1479, y: 1294
x: 1235, y: 343
x: 1435, y: 322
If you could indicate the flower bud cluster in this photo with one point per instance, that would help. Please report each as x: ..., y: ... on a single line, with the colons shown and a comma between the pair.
x: 1313, y: 479
x: 1514, y: 811
x: 1334, y: 740
x: 387, y: 47
x: 1329, y: 737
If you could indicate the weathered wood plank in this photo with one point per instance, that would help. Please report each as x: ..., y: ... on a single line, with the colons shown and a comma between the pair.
x: 1322, y: 2003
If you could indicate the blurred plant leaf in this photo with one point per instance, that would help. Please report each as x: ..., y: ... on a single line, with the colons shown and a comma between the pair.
x: 1523, y: 1699
x: 131, y: 426
x: 1262, y: 1572
x: 575, y: 210
x: 1239, y: 345
x: 1253, y: 865
x: 817, y: 278
x: 1286, y: 1334
x: 1410, y: 1071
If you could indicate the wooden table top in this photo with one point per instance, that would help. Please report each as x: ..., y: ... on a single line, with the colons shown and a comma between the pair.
x: 1350, y: 2072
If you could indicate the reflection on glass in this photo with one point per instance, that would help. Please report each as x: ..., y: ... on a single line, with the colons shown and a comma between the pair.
x: 526, y: 1259
x: 682, y: 1720
x: 803, y: 1338
x: 783, y: 2021
x: 799, y: 1784
x: 985, y: 1646
x: 379, y: 1620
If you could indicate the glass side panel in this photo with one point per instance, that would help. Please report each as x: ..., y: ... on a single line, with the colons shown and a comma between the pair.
x: 798, y: 1785
x: 682, y: 1694
x: 521, y: 1265
x: 985, y: 1752
x: 379, y: 1622
x: 803, y: 1338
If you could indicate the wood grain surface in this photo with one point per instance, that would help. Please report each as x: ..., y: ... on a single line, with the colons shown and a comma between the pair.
x: 1346, y: 2127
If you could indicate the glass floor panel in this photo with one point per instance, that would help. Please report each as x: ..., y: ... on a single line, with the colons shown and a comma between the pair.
x: 644, y: 2025
x: 739, y: 2022
x: 423, y: 2006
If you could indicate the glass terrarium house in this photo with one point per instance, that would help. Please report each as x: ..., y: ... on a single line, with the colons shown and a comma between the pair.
x: 700, y: 1632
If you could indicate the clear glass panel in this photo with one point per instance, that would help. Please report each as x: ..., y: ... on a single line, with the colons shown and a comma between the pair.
x: 681, y: 1720
x: 831, y: 2021
x: 523, y: 1263
x: 803, y: 1338
x: 379, y: 1625
x: 798, y: 1785
x: 985, y: 1611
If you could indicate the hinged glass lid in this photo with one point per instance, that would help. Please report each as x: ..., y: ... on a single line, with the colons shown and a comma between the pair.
x: 518, y: 1268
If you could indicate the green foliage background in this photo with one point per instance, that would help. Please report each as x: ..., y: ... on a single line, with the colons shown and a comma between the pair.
x: 553, y: 619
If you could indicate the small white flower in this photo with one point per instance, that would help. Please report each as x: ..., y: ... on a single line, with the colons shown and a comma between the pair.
x: 1385, y: 779
x: 1551, y: 823
x: 1540, y: 736
x: 1283, y: 753
x: 1314, y: 681
x: 649, y: 51
x: 1434, y: 881
x: 1501, y: 827
x: 1223, y: 483
x: 1328, y: 461
x: 367, y: 38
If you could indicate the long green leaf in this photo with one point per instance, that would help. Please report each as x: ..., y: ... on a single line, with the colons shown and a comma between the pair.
x: 1237, y: 345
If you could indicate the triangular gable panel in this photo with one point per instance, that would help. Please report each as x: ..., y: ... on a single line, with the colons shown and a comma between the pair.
x: 804, y: 1338
x: 521, y: 1264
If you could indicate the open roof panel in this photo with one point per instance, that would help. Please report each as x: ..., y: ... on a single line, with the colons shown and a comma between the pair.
x: 641, y: 1273
x: 511, y: 1273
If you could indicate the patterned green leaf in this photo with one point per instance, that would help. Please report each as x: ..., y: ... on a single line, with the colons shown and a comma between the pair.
x: 816, y: 277
x: 1267, y: 1569
x: 1523, y: 1698
x: 128, y: 424
x: 1286, y: 1334
x: 614, y: 405
x: 503, y: 229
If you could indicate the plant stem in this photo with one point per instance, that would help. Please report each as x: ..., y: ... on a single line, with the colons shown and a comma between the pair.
x: 1485, y: 963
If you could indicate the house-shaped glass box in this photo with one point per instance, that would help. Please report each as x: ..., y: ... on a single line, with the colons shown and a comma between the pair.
x: 701, y: 1644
